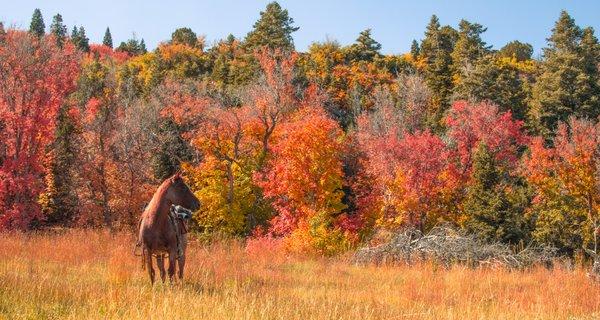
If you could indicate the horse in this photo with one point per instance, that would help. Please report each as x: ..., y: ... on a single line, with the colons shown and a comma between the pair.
x: 158, y: 229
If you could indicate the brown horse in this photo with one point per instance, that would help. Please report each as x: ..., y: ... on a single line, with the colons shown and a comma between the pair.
x: 158, y: 234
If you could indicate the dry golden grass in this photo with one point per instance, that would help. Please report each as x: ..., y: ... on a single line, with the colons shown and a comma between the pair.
x: 93, y: 275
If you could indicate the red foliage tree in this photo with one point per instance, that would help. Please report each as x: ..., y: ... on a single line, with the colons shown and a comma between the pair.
x: 468, y: 125
x: 35, y: 78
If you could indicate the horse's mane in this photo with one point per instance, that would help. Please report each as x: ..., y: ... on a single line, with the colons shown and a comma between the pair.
x: 154, y: 207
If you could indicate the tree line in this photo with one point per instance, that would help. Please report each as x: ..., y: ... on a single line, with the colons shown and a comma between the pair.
x: 321, y: 148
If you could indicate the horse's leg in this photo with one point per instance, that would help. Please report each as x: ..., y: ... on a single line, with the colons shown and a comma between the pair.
x: 149, y: 265
x: 160, y: 261
x: 181, y: 260
x: 172, y: 256
x: 181, y: 264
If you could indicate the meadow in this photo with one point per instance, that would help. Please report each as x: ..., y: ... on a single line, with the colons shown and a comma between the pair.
x: 94, y: 275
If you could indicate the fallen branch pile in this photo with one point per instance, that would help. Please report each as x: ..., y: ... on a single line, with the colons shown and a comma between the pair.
x: 447, y: 246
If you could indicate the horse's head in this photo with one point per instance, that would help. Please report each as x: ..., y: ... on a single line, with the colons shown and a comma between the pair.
x: 180, y: 194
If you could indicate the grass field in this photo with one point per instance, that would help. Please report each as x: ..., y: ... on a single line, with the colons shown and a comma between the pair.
x: 93, y: 275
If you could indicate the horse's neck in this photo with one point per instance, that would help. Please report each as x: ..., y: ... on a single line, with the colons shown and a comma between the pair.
x: 160, y: 204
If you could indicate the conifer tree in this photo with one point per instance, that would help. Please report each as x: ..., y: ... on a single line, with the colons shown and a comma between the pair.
x: 569, y: 82
x: 107, y: 40
x: 273, y: 29
x: 59, y: 30
x: 2, y: 32
x: 500, y: 83
x: 184, y: 36
x: 79, y: 39
x: 490, y: 209
x: 516, y: 49
x: 37, y: 26
x: 414, y: 49
x: 468, y: 48
x: 365, y: 48
x: 59, y: 201
x: 436, y: 49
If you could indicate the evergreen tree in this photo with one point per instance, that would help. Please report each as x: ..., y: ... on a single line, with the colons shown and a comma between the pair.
x: 107, y: 41
x: 133, y: 46
x: 365, y: 48
x: 436, y: 49
x: 429, y: 43
x: 58, y: 29
x: 414, y: 49
x: 79, y: 39
x: 568, y: 84
x: 59, y: 201
x: 468, y: 48
x: 184, y: 36
x: 143, y: 47
x: 37, y: 26
x: 500, y: 83
x: 273, y: 29
x: 173, y: 150
x: 2, y: 32
x: 493, y: 207
x: 518, y: 50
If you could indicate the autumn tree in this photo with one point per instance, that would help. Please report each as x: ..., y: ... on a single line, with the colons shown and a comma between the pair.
x: 37, y: 26
x: 35, y: 78
x: 59, y: 30
x: 565, y: 181
x: 304, y: 180
x: 273, y: 29
x: 107, y: 40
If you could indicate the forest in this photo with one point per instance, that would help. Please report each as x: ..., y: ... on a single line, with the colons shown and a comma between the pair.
x: 321, y: 150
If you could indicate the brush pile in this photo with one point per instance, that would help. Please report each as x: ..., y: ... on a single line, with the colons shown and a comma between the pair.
x: 447, y: 246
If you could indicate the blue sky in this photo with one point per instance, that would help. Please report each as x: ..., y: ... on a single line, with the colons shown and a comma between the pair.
x: 394, y: 23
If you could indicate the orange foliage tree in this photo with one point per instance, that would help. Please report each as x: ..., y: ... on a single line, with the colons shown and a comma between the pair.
x: 304, y: 179
x: 565, y: 178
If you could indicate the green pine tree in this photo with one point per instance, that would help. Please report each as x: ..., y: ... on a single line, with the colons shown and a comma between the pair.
x: 365, y: 48
x: 436, y: 49
x: 133, y: 46
x: 79, y: 39
x: 107, y: 40
x: 59, y: 202
x: 569, y: 82
x: 501, y: 84
x: 143, y: 47
x: 414, y: 49
x: 273, y: 29
x: 2, y: 32
x: 468, y: 48
x: 518, y: 50
x: 37, y: 26
x: 493, y: 206
x: 58, y: 29
x: 173, y: 150
x: 184, y: 36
